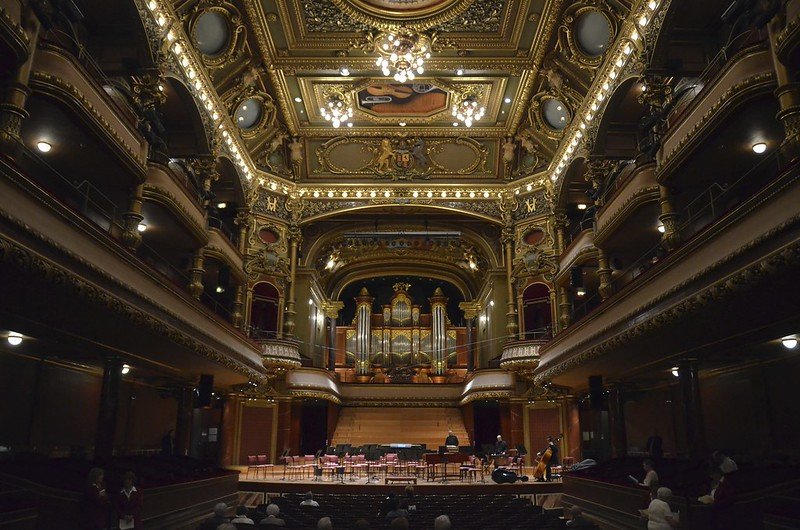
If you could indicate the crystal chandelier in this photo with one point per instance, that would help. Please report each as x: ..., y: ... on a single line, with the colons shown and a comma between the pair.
x: 468, y: 111
x: 404, y: 53
x: 337, y: 110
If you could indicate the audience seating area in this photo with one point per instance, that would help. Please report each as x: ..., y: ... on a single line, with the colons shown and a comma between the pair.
x: 466, y: 512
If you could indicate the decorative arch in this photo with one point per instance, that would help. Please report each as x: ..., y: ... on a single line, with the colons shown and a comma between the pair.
x: 186, y: 131
x: 617, y: 130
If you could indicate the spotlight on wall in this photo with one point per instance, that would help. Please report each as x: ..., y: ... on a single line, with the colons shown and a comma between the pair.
x: 661, y: 228
x: 674, y: 371
x: 14, y: 338
x: 788, y: 342
x: 125, y: 369
x: 759, y: 148
x: 44, y: 147
x: 141, y: 227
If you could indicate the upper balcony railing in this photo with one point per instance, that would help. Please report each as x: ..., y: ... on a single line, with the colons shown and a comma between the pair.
x: 85, y: 199
x: 698, y: 214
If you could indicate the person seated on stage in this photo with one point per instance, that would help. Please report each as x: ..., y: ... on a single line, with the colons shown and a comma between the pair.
x: 451, y: 439
x: 500, y: 447
x: 272, y: 518
x: 308, y: 500
x: 577, y: 520
x: 241, y: 516
x: 362, y: 524
x: 395, y: 510
x: 399, y: 523
x: 650, y: 478
x: 659, y: 514
x: 723, y: 462
x: 219, y: 516
x: 442, y: 523
x: 325, y: 524
x: 553, y: 446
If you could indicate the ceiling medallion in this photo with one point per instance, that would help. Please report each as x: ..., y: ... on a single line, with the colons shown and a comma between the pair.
x: 337, y: 110
x: 468, y: 110
x: 418, y: 15
x: 404, y: 53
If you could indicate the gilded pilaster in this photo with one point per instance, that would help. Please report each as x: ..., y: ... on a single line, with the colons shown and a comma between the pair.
x: 131, y: 236
x: 295, y: 237
x: 565, y: 308
x: 238, y: 304
x: 606, y: 288
x: 196, y: 275
x: 671, y: 237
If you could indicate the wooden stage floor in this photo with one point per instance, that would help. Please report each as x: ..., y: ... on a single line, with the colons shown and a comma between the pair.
x: 273, y: 483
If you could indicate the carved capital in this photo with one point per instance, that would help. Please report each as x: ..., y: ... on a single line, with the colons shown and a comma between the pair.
x: 331, y: 308
x: 470, y: 309
x: 147, y: 89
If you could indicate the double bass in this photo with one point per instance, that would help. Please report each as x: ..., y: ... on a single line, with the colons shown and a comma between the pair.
x: 544, y: 460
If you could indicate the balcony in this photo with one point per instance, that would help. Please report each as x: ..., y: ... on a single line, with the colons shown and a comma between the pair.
x: 632, y: 190
x: 580, y: 249
x: 522, y: 356
x: 278, y: 355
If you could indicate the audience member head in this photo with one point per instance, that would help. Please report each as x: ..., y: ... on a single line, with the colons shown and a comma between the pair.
x: 647, y: 464
x: 409, y: 491
x: 664, y: 494
x: 128, y: 480
x: 442, y: 523
x: 399, y: 523
x: 325, y: 524
x: 499, y: 438
x: 220, y: 508
x: 273, y: 509
x: 309, y: 496
x: 96, y: 476
x: 226, y: 526
x: 362, y: 524
x: 241, y: 511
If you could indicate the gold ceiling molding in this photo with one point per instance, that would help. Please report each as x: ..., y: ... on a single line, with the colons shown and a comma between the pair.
x: 417, y: 15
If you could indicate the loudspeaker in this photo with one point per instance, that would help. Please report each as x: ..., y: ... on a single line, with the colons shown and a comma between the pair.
x: 204, y: 390
x: 596, y: 391
x: 576, y: 276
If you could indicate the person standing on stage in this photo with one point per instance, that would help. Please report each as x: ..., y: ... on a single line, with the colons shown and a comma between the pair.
x: 501, y: 447
x: 451, y: 439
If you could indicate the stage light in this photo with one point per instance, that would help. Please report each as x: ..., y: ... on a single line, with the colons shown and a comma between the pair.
x: 759, y: 148
x: 14, y: 338
x: 44, y: 147
x: 125, y: 369
x: 789, y: 343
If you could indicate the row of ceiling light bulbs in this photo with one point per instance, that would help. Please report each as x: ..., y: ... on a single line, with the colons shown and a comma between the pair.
x: 388, y: 193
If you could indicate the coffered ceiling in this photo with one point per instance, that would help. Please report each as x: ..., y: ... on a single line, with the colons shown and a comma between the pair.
x: 276, y: 64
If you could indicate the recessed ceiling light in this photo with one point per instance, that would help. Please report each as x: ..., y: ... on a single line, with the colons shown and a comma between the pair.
x: 581, y: 206
x: 788, y: 342
x: 674, y: 371
x: 222, y: 205
x: 580, y: 291
x: 759, y: 148
x: 455, y: 124
x: 298, y: 99
x: 44, y: 147
x: 460, y: 71
x: 14, y: 338
x: 220, y: 289
x: 507, y: 100
x: 662, y: 228
x: 142, y: 227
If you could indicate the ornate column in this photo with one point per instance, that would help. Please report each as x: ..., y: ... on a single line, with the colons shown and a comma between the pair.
x: 205, y: 167
x: 597, y: 171
x: 671, y: 238
x: 109, y: 403
x: 655, y: 98
x: 471, y: 311
x: 238, y: 304
x: 616, y: 411
x: 438, y: 332
x: 606, y: 289
x: 16, y: 90
x: 512, y: 323
x: 565, y: 308
x: 131, y: 237
x: 295, y: 237
x: 196, y: 274
x: 560, y: 224
x: 786, y: 74
x: 147, y: 89
x: 363, y: 331
x: 331, y: 310
x: 242, y: 220
x: 693, y: 412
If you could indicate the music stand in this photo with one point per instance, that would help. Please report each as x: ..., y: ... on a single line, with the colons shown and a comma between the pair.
x: 284, y: 456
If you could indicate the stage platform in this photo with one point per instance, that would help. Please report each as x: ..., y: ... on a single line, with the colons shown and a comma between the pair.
x: 274, y: 484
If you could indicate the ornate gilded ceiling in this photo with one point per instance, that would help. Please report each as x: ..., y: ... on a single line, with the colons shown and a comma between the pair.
x: 531, y: 64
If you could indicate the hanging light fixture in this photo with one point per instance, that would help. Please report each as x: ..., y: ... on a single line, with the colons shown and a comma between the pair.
x: 403, y: 54
x: 467, y: 110
x: 337, y: 110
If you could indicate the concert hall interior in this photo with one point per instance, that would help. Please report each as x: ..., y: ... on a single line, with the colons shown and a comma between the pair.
x: 519, y: 263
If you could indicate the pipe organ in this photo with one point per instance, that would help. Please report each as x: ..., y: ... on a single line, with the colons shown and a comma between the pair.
x: 399, y: 340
